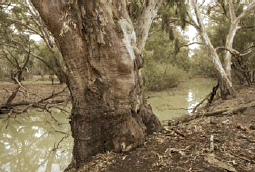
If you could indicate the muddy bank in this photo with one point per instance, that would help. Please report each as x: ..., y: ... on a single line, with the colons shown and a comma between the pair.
x: 221, y: 142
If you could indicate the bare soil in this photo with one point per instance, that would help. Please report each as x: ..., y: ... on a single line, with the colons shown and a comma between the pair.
x: 32, y: 92
x: 221, y: 143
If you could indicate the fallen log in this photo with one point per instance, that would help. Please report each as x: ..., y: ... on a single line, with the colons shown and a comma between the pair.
x: 188, y: 118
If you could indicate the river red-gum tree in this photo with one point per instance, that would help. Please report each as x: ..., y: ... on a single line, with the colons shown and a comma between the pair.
x: 102, y: 51
x: 223, y: 72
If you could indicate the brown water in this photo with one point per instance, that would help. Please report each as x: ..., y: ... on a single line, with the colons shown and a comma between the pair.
x: 27, y: 144
x: 178, y: 101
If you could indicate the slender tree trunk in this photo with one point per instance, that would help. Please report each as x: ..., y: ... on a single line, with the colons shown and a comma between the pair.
x: 59, y: 72
x: 225, y: 82
x: 227, y: 60
x: 229, y: 43
x: 98, y: 43
x: 228, y: 55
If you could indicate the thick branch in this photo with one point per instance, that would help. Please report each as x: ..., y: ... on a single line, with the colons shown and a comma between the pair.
x: 149, y: 11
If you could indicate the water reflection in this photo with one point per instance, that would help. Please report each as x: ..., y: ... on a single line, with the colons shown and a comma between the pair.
x: 190, y: 98
x: 28, y: 144
x: 181, y: 100
x: 191, y: 101
x: 39, y: 133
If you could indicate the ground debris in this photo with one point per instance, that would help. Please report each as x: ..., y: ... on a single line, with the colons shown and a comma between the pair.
x: 206, y: 143
x: 211, y: 158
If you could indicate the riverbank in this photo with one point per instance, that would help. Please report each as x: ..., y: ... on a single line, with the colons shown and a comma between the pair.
x: 224, y: 142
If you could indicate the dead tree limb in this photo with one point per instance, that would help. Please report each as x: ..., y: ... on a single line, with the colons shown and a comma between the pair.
x: 209, y: 98
x: 222, y: 112
x: 43, y: 103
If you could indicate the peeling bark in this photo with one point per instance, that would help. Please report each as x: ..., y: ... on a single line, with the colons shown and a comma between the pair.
x: 230, y: 38
x: 143, y: 25
x: 99, y: 46
x: 211, y: 51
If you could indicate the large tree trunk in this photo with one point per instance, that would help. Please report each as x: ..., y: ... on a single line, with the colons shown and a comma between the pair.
x: 98, y: 43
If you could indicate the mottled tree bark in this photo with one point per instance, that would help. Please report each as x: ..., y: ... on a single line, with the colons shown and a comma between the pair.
x: 229, y: 42
x: 99, y: 45
x: 223, y: 72
x: 224, y: 79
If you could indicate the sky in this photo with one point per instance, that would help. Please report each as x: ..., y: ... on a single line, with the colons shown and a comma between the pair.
x: 37, y: 38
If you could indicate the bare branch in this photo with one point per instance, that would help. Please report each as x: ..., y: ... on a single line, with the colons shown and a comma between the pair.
x: 248, y: 9
x: 52, y: 95
x: 15, y: 59
x: 202, y: 4
x: 192, y: 21
x: 233, y: 51
x: 231, y: 10
x: 186, y: 45
x: 12, y: 96
x: 25, y: 25
x: 6, y: 56
x: 37, y: 104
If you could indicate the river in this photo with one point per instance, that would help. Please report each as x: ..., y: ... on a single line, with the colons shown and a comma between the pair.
x: 178, y: 101
x: 36, y: 142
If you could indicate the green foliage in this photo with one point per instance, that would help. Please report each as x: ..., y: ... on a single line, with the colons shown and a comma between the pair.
x: 166, y: 64
x: 44, y: 52
x: 134, y: 9
x: 159, y: 76
x: 14, y: 39
x: 17, y: 24
x: 164, y: 50
x: 172, y: 14
x: 201, y: 64
x: 163, y: 67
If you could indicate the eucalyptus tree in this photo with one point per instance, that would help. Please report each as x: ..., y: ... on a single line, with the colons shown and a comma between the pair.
x: 223, y: 72
x: 218, y: 29
x: 102, y: 49
x: 11, y: 41
x: 19, y: 19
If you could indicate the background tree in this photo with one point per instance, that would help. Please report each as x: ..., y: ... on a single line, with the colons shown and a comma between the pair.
x: 201, y: 64
x: 166, y: 52
x: 242, y: 63
x: 164, y: 68
x: 19, y: 19
x: 224, y: 73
